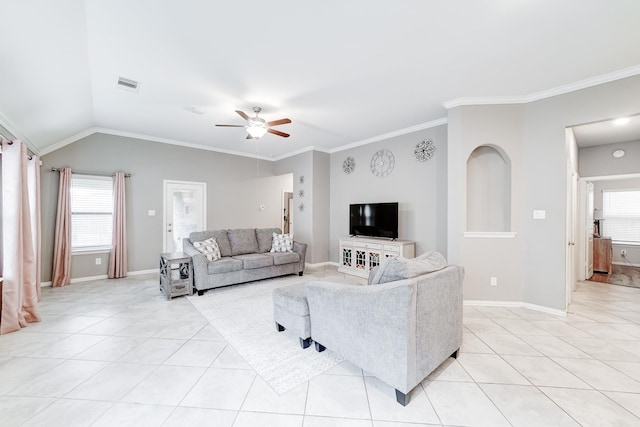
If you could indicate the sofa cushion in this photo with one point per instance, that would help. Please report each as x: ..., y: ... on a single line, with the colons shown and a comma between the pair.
x: 250, y: 261
x: 282, y: 243
x: 265, y: 237
x: 243, y: 241
x: 209, y: 248
x: 280, y: 258
x: 221, y: 238
x: 224, y: 265
x: 293, y: 299
x: 392, y: 269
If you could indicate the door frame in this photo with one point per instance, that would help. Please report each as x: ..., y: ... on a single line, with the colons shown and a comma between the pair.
x: 165, y: 185
x: 285, y: 208
x: 570, y: 232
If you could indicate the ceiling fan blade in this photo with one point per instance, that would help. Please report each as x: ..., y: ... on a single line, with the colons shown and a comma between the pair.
x: 278, y: 122
x: 277, y: 132
x: 231, y: 126
x: 242, y: 114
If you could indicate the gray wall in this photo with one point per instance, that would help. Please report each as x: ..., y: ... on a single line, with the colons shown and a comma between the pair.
x: 311, y: 224
x: 545, y: 171
x: 499, y: 126
x: 235, y: 191
x: 420, y: 188
x: 538, y: 149
x: 598, y: 161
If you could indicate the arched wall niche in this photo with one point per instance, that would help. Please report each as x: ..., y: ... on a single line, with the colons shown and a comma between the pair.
x: 488, y: 190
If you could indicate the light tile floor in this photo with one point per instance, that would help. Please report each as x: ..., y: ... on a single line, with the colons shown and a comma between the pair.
x: 114, y: 353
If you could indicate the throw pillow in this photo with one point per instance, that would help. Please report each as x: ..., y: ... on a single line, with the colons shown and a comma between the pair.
x: 282, y: 243
x: 393, y: 269
x: 209, y: 248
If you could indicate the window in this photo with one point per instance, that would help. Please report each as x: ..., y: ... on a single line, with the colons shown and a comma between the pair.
x: 621, y: 214
x: 91, y: 212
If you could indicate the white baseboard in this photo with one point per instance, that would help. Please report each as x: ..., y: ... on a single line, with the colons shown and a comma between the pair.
x: 626, y: 263
x: 103, y: 276
x: 141, y: 272
x: 517, y: 304
x: 321, y: 264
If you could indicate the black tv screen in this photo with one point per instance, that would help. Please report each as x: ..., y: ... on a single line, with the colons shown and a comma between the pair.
x: 374, y: 219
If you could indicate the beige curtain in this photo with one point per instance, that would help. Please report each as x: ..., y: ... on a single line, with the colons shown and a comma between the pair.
x: 62, y: 247
x: 20, y: 288
x: 118, y: 256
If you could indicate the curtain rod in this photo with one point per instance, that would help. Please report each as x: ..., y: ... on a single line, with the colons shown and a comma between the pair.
x: 126, y: 175
x: 10, y: 142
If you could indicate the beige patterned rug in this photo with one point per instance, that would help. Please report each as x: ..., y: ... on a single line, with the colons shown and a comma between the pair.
x: 243, y: 314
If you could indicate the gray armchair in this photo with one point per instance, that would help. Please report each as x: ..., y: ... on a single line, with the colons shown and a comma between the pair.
x: 399, y: 331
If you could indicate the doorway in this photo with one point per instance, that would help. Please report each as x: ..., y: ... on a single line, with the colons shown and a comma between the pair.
x: 185, y: 211
x: 287, y: 212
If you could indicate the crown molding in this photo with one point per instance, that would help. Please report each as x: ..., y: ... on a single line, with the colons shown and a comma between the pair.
x: 151, y: 138
x: 389, y: 135
x: 10, y: 132
x: 70, y: 140
x: 547, y: 93
x: 300, y: 151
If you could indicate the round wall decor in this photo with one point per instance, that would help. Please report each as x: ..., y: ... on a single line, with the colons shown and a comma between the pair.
x: 348, y: 165
x: 424, y: 150
x: 382, y: 163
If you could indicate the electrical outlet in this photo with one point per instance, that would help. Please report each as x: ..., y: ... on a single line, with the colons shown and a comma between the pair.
x: 623, y: 252
x: 98, y: 261
x: 494, y: 281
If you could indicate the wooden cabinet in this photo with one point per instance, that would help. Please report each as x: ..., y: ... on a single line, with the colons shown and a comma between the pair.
x: 602, y: 254
x: 359, y: 255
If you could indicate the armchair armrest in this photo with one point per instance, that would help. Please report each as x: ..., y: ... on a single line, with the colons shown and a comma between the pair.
x: 199, y: 262
x: 301, y: 249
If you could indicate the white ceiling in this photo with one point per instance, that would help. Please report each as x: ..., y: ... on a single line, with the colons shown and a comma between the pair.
x: 345, y: 72
x: 607, y: 132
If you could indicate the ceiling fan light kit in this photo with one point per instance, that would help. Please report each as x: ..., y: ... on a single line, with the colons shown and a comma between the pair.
x: 258, y: 127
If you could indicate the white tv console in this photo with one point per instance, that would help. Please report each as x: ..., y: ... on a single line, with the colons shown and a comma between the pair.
x: 358, y: 255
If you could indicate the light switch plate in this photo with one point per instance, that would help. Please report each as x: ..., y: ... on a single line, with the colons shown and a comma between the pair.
x: 152, y: 212
x: 539, y: 214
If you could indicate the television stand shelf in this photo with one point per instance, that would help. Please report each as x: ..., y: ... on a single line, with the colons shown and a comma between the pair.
x: 358, y: 255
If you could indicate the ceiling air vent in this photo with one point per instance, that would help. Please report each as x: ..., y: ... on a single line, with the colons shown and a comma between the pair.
x: 127, y: 84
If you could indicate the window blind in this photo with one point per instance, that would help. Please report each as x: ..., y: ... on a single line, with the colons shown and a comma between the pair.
x: 621, y: 214
x: 91, y: 212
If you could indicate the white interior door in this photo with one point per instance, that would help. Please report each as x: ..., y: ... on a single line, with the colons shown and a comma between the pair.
x: 185, y: 211
x: 570, y: 264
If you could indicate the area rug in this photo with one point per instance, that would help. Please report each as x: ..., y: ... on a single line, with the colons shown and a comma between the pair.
x: 243, y: 314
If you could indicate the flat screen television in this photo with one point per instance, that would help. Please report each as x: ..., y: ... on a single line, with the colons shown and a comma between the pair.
x: 374, y: 219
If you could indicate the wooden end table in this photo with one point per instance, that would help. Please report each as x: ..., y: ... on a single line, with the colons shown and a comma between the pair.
x: 176, y: 281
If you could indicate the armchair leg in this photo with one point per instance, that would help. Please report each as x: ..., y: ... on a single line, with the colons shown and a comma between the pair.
x: 319, y: 347
x: 300, y: 273
x: 305, y: 343
x: 279, y: 327
x: 402, y: 398
x: 200, y: 292
x: 455, y: 354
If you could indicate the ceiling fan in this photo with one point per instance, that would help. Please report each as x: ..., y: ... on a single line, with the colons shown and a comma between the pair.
x: 257, y: 126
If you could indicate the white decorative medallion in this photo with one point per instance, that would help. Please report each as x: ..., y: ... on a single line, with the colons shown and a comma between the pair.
x: 424, y: 150
x: 382, y: 163
x: 348, y: 165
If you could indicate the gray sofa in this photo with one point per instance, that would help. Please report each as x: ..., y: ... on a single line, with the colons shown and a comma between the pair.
x: 399, y: 331
x: 245, y: 257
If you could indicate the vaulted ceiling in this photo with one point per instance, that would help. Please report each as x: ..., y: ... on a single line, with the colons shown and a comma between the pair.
x: 345, y: 72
